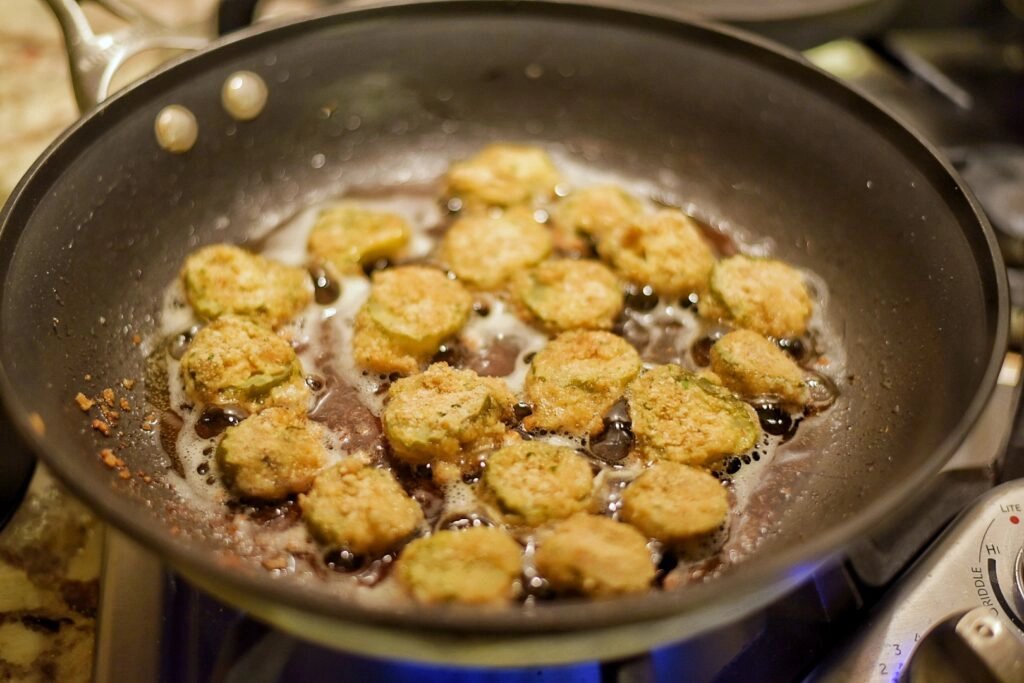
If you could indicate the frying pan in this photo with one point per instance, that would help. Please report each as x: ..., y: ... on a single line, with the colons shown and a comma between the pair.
x: 377, y: 93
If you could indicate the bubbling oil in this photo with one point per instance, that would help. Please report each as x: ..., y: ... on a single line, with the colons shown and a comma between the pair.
x: 348, y: 400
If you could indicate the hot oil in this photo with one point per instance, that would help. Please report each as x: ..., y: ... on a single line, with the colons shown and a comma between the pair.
x: 500, y: 324
x: 349, y: 401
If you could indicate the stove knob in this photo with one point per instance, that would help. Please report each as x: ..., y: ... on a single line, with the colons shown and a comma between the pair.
x: 976, y: 646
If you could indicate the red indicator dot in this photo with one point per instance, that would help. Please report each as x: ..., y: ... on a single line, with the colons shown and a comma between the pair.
x: 1015, y: 520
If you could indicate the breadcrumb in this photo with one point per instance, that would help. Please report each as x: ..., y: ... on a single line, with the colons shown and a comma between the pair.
x: 110, y: 459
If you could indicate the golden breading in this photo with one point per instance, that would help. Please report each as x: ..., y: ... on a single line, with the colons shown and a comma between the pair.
x: 679, y: 417
x: 533, y: 482
x: 503, y: 175
x: 234, y: 360
x: 360, y: 508
x: 568, y: 295
x: 479, y: 565
x: 272, y: 454
x: 410, y: 311
x: 445, y: 414
x: 485, y: 250
x: 752, y: 367
x: 417, y: 305
x: 595, y: 556
x: 576, y: 378
x: 674, y: 503
x: 223, y: 279
x: 592, y: 213
x: 348, y: 236
x: 708, y: 376
x: 760, y: 294
x: 374, y: 349
x: 664, y: 249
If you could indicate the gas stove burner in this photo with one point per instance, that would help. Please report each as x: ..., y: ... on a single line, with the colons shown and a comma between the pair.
x: 996, y: 174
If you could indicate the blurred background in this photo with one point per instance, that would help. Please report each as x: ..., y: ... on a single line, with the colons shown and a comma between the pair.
x: 36, y: 101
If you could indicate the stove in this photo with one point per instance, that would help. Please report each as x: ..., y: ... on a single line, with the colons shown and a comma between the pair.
x: 958, y: 609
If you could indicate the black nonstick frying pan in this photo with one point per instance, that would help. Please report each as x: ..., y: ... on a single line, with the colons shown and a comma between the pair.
x: 748, y: 132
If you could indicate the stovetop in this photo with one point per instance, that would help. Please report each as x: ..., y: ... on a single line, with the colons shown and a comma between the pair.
x: 964, y: 89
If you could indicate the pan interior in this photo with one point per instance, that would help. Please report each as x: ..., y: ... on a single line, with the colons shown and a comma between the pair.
x: 754, y: 140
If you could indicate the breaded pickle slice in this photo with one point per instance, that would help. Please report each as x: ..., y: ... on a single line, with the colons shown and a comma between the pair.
x: 759, y: 294
x: 223, y: 279
x: 410, y: 311
x: 417, y: 305
x: 485, y: 250
x: 503, y: 175
x: 477, y: 566
x: 234, y: 360
x: 664, y: 249
x: 445, y: 414
x: 568, y: 295
x: 360, y: 508
x: 533, y: 482
x: 754, y: 367
x: 272, y: 454
x: 682, y: 418
x: 576, y: 378
x: 595, y: 556
x: 675, y: 503
x: 348, y: 236
x: 592, y: 213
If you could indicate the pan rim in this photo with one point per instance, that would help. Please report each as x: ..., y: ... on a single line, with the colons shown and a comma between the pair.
x: 744, y: 582
x: 787, y: 10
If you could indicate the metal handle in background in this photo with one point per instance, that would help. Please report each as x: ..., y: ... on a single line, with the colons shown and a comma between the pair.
x: 94, y: 59
x: 1016, y: 328
x: 129, y: 627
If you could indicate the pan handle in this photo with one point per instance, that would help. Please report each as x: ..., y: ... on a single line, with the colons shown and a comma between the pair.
x: 94, y: 59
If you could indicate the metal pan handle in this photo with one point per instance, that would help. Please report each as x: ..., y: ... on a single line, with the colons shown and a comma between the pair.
x: 94, y: 59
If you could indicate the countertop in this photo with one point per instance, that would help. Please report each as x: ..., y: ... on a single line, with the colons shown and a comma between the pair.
x: 50, y: 552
